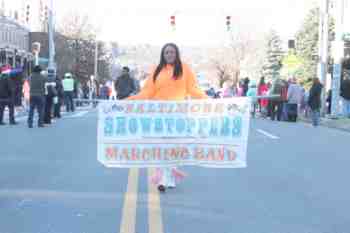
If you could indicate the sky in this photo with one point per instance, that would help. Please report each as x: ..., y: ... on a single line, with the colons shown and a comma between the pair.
x: 197, y: 22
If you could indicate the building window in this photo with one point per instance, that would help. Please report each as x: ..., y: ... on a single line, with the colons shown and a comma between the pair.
x: 21, y: 42
x: 13, y: 37
x: 7, y: 35
x: 26, y: 43
x: 2, y: 34
x: 19, y: 39
x: 10, y: 37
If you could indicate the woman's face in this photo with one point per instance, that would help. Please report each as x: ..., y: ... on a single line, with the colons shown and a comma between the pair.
x: 170, y: 55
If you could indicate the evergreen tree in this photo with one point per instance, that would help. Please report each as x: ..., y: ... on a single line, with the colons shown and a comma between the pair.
x: 274, y: 55
x: 307, y: 44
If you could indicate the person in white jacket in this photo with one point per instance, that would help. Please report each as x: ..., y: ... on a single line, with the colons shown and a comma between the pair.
x: 294, y: 98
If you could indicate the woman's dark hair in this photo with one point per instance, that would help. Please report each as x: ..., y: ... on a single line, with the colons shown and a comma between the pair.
x: 262, y: 81
x: 162, y: 64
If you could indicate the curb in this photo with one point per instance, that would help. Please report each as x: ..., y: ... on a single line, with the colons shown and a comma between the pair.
x: 324, y: 123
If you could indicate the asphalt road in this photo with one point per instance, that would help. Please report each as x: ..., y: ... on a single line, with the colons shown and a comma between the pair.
x: 295, y: 182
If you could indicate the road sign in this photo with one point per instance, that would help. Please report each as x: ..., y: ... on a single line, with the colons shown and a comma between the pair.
x: 291, y: 61
x: 346, y: 36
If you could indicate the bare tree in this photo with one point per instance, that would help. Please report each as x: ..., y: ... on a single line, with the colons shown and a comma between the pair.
x: 241, y: 53
x: 223, y: 72
x: 77, y: 26
x: 80, y: 45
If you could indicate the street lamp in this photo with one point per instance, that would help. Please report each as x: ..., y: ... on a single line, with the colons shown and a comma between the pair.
x: 96, y: 59
x: 91, y: 87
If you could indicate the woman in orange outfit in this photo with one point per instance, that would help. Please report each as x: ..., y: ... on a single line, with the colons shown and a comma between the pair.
x: 171, y: 80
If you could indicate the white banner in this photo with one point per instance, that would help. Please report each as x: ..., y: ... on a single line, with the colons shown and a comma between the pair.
x: 210, y: 133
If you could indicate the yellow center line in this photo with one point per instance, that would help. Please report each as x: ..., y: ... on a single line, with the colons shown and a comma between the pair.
x: 128, y: 221
x: 154, y: 209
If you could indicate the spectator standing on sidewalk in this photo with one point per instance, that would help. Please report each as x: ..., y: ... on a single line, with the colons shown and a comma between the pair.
x: 294, y: 97
x: 68, y: 88
x: 104, y: 91
x: 6, y: 97
x: 262, y: 91
x: 252, y: 92
x: 345, y: 94
x: 315, y: 101
x: 26, y: 94
x: 51, y: 93
x: 278, y: 89
x: 228, y: 90
x: 240, y: 89
x: 245, y: 86
x: 59, y: 98
x: 329, y: 101
x: 125, y: 85
x: 37, y: 96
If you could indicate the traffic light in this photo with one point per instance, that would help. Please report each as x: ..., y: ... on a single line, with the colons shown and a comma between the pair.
x: 291, y: 44
x: 172, y: 21
x: 27, y: 13
x: 46, y: 14
x: 228, y: 23
x: 16, y: 15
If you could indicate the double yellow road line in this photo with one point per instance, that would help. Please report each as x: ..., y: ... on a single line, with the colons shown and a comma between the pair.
x: 128, y: 221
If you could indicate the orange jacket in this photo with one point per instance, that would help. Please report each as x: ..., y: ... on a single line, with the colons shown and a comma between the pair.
x: 167, y: 88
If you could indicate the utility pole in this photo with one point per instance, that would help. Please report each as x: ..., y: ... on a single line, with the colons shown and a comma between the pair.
x: 338, y: 56
x: 96, y: 60
x: 323, y: 49
x: 52, y: 65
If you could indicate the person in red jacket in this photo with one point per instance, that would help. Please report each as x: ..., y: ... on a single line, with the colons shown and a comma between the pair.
x: 262, y: 91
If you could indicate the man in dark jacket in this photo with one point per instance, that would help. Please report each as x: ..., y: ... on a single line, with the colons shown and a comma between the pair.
x: 125, y: 85
x: 37, y: 96
x: 50, y: 94
x: 58, y: 100
x: 6, y: 98
x: 245, y: 86
x: 279, y: 89
x: 345, y: 93
x: 314, y: 101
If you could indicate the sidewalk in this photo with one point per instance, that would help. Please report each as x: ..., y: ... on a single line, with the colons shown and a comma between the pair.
x: 341, y: 123
x: 22, y: 112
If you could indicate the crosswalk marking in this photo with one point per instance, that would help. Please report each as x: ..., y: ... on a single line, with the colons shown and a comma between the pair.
x: 154, y: 210
x: 267, y: 134
x: 128, y: 221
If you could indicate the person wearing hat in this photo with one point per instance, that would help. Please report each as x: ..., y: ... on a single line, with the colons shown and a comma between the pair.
x: 68, y: 88
x: 252, y: 92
